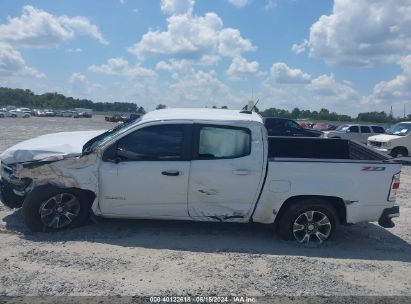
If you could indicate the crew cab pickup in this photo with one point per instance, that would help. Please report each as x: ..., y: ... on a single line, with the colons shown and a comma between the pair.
x: 200, y: 165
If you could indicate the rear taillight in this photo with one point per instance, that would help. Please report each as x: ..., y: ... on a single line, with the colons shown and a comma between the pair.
x: 395, y: 185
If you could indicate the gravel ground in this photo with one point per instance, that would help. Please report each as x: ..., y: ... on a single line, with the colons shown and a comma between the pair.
x: 129, y: 257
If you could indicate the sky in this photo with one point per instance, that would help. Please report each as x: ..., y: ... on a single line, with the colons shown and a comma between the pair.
x: 349, y: 56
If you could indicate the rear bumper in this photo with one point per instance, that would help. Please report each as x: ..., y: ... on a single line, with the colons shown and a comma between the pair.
x: 387, y: 216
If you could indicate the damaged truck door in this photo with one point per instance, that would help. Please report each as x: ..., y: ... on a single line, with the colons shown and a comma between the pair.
x: 226, y: 171
x: 145, y: 173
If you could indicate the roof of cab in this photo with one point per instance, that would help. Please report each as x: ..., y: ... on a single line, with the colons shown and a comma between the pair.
x: 201, y: 114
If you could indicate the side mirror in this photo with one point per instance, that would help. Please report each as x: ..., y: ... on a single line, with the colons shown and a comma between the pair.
x: 348, y: 131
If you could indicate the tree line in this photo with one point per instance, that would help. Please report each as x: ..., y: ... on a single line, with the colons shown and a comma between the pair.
x: 325, y: 114
x: 26, y: 98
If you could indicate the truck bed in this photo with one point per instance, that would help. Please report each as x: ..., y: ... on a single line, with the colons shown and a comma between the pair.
x: 321, y: 148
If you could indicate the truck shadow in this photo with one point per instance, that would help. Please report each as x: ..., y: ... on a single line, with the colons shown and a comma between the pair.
x: 362, y: 241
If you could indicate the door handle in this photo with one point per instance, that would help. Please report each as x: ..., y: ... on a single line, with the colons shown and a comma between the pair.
x: 171, y: 173
x: 208, y: 192
x: 241, y: 172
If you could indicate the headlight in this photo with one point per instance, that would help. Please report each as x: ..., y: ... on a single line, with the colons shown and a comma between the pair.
x: 386, y: 144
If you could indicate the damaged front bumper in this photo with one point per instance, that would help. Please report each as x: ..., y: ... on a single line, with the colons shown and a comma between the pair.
x: 387, y: 215
x: 12, y: 188
x: 74, y: 171
x: 9, y: 196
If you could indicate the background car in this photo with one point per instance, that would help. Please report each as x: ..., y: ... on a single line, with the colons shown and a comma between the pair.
x: 16, y: 113
x: 49, y: 113
x: 4, y: 113
x: 396, y: 141
x: 304, y: 124
x: 287, y: 127
x: 355, y: 132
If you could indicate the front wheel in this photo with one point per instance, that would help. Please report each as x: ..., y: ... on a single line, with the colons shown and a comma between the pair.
x: 399, y: 152
x: 308, y: 221
x: 54, y: 209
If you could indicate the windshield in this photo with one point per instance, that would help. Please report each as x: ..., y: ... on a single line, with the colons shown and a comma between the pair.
x: 400, y: 129
x: 105, y: 137
x: 342, y: 128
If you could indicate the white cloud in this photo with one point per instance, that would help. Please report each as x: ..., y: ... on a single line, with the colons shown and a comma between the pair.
x: 192, y: 37
x: 82, y: 87
x: 186, y: 36
x: 199, y: 89
x: 240, y: 3
x: 232, y: 44
x: 395, y: 92
x: 38, y: 28
x: 281, y: 73
x: 321, y: 92
x: 271, y: 4
x: 13, y: 64
x: 240, y: 68
x: 82, y: 26
x: 184, y: 65
x: 122, y: 1
x: 300, y: 48
x: 120, y: 66
x: 177, y: 7
x: 362, y: 32
x: 327, y: 88
x: 75, y: 50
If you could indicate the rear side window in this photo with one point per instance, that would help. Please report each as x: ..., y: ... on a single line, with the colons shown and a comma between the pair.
x: 378, y: 129
x: 274, y: 124
x: 223, y: 142
x: 291, y: 125
x: 160, y: 142
x: 354, y: 129
x: 365, y: 129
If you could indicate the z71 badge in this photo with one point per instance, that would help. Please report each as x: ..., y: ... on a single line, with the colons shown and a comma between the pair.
x: 369, y: 168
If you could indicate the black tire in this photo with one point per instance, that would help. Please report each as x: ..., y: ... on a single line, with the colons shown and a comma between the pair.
x: 14, y: 115
x: 8, y: 197
x: 297, y: 209
x: 35, y: 199
x: 400, y: 151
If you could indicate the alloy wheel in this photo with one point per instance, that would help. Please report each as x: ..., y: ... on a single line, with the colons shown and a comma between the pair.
x: 312, y: 226
x: 60, y: 210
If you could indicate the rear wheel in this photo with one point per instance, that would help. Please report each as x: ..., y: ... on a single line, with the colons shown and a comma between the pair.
x: 308, y: 221
x: 52, y: 209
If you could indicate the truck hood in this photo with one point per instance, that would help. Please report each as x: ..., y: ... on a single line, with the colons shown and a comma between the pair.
x: 41, y: 147
x: 384, y: 137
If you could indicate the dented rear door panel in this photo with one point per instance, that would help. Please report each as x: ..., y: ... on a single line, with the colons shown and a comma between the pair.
x: 227, y: 189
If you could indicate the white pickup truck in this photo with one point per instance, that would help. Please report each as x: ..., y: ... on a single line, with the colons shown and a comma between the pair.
x: 200, y: 165
x: 396, y: 142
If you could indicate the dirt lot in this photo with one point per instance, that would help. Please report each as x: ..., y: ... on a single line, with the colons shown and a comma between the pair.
x: 128, y: 257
